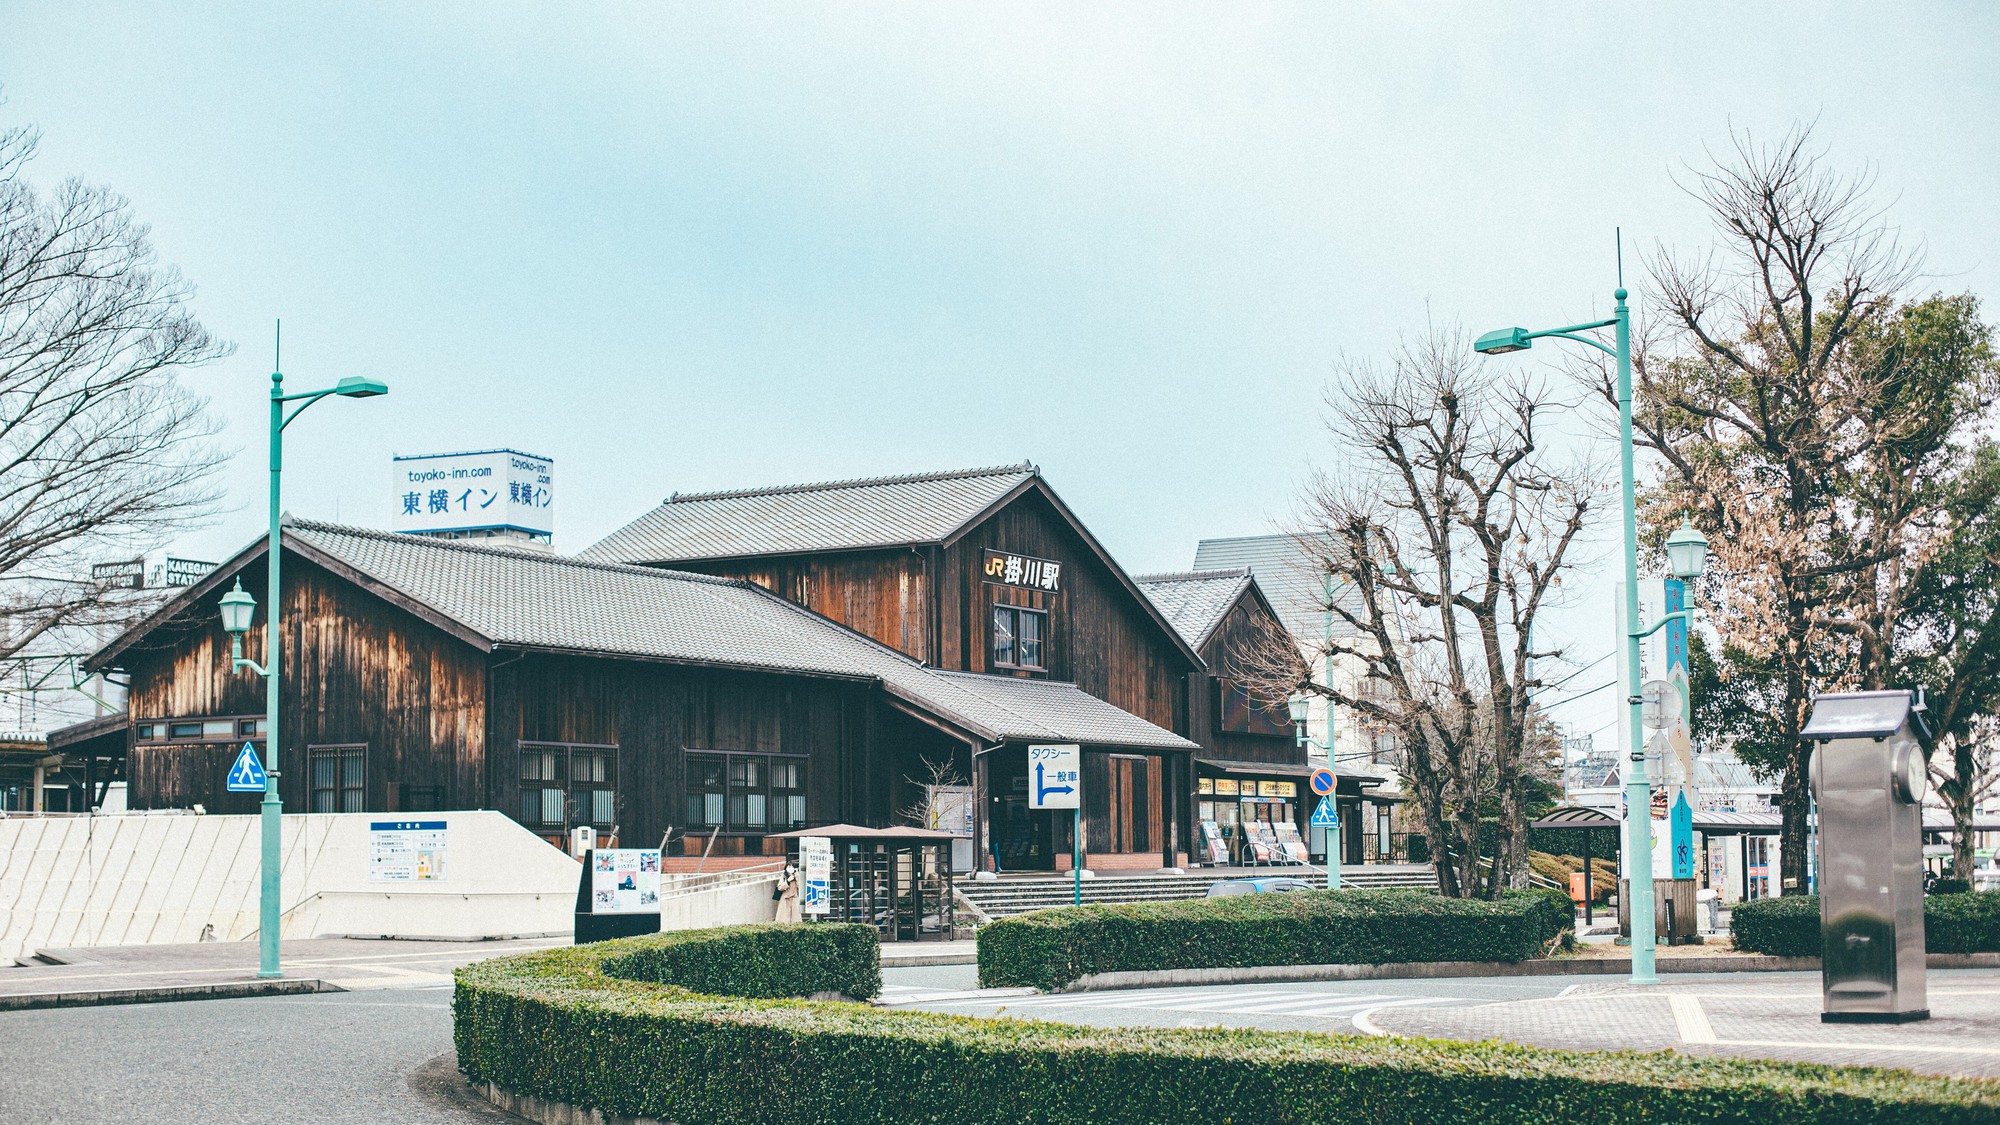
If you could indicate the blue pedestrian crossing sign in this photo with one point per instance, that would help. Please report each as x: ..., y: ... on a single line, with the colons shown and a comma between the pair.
x: 247, y: 775
x: 1323, y: 816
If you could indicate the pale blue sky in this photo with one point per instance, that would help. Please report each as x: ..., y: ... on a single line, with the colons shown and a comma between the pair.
x: 683, y: 247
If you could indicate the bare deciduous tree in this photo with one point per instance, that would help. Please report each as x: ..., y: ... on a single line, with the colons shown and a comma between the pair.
x: 1805, y: 415
x: 1452, y: 526
x: 102, y: 449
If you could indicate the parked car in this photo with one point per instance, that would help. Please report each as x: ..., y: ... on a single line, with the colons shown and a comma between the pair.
x: 1223, y: 888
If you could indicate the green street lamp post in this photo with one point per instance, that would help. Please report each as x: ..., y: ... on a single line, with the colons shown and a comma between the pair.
x: 237, y: 609
x: 1681, y: 550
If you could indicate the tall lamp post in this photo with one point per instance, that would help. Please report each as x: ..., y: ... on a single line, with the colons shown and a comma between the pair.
x: 237, y: 608
x: 1638, y: 787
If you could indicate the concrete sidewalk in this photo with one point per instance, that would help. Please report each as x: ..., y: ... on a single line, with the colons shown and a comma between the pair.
x: 1769, y: 1017
x: 126, y: 974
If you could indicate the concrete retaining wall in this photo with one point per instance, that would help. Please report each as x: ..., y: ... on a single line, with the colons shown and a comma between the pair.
x: 140, y: 878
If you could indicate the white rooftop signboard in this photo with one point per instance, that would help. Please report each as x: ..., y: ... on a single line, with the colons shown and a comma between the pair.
x: 479, y: 490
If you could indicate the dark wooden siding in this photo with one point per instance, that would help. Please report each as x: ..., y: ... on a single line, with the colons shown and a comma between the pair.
x: 883, y: 594
x: 858, y: 751
x: 356, y: 670
x: 1100, y: 637
x: 1249, y: 618
x: 934, y: 604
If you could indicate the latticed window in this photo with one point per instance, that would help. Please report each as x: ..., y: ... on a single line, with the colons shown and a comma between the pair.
x: 566, y: 784
x: 338, y: 778
x: 748, y: 793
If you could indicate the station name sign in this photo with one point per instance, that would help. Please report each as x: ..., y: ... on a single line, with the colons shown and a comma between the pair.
x: 1025, y: 571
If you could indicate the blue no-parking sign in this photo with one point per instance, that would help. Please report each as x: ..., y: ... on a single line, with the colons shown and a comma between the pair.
x: 1322, y: 781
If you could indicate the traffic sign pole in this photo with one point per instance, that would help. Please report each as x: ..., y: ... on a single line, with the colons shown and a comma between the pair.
x: 1076, y: 858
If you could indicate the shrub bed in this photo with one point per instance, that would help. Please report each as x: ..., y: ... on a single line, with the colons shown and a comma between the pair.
x: 1789, y: 926
x: 554, y: 1025
x: 1048, y: 949
x: 759, y: 961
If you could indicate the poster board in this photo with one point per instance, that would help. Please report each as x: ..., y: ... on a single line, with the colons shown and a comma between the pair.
x: 625, y: 881
x: 815, y: 875
x: 407, y: 851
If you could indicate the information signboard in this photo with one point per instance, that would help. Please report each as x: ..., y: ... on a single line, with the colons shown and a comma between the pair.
x: 625, y: 881
x: 815, y: 874
x: 406, y: 851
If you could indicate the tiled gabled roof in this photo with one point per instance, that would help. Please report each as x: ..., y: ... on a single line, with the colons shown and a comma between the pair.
x: 498, y: 596
x: 1286, y: 575
x: 1196, y: 601
x: 834, y: 516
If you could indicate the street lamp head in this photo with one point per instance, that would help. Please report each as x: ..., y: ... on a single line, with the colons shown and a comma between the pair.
x: 237, y: 608
x: 354, y: 386
x: 1687, y: 552
x: 1297, y: 705
x: 1500, y: 341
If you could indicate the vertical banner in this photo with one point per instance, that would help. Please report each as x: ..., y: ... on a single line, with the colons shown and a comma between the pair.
x: 815, y: 875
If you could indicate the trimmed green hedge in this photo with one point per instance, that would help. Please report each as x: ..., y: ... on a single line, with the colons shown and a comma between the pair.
x: 1789, y: 926
x: 554, y: 1026
x: 767, y: 961
x: 1048, y: 949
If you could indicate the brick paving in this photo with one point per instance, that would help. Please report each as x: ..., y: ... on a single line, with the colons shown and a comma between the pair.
x: 1774, y: 1016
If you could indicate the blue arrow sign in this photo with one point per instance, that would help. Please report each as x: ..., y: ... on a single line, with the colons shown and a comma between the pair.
x: 1323, y: 816
x: 1042, y: 791
x: 247, y: 775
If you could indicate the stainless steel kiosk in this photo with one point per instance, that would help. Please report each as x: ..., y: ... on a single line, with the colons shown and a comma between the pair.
x: 1868, y: 777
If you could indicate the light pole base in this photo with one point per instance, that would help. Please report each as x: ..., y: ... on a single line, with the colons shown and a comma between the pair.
x: 274, y: 974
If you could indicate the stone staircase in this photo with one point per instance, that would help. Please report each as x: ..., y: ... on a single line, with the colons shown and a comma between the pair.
x: 1018, y: 894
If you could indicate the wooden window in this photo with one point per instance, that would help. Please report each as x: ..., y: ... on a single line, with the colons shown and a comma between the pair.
x: 749, y: 792
x: 706, y: 790
x: 788, y: 793
x: 1019, y: 637
x: 745, y: 793
x: 566, y: 783
x: 338, y: 778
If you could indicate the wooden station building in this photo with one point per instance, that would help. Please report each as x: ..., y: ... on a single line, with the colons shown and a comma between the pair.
x: 1252, y: 768
x: 728, y: 667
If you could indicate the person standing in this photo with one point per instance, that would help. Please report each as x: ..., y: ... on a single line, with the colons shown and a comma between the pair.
x: 787, y: 894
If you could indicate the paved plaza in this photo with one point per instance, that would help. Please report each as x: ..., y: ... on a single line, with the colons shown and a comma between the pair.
x: 1754, y: 1015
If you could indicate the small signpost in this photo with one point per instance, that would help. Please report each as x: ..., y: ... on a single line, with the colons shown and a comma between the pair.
x: 1325, y: 817
x: 815, y: 871
x: 1055, y: 781
x: 247, y: 775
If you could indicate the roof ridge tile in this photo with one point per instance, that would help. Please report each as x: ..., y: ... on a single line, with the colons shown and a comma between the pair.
x: 1025, y: 468
x: 474, y: 547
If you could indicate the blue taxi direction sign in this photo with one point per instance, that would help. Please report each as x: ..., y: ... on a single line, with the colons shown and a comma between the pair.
x: 1322, y: 782
x: 247, y: 774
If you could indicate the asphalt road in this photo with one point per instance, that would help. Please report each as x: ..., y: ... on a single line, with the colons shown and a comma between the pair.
x: 382, y: 1055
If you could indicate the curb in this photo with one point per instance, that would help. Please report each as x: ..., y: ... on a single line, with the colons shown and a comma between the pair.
x: 162, y: 994
x: 930, y: 959
x: 1265, y: 974
x: 542, y: 1111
